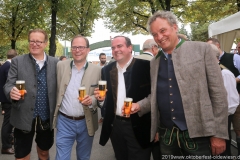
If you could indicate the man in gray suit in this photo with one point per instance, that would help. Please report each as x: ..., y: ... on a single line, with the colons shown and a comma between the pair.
x: 188, y: 99
x: 150, y: 49
x: 34, y: 113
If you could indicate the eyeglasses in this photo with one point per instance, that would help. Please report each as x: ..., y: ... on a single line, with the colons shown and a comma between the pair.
x: 38, y: 43
x: 80, y: 48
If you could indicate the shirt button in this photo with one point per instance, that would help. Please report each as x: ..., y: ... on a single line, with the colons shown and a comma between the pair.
x: 171, y: 101
x: 170, y: 86
x: 170, y: 79
x: 174, y: 118
x: 171, y: 94
x: 172, y: 109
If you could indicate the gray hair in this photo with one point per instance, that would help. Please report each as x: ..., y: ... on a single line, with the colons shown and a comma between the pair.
x: 167, y: 15
x: 149, y: 44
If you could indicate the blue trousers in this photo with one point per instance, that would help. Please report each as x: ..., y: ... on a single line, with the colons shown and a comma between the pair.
x: 67, y: 132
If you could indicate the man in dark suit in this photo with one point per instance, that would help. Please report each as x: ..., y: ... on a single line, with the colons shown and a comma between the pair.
x: 126, y: 77
x: 6, y: 106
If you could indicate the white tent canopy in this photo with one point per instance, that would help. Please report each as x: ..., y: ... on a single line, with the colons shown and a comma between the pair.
x: 226, y: 30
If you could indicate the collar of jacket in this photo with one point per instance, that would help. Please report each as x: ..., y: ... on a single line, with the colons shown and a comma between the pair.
x: 161, y: 52
x: 71, y: 65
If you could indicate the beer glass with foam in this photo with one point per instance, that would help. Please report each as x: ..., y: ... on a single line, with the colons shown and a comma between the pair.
x: 127, y: 106
x: 102, y: 85
x: 82, y: 93
x: 20, y: 84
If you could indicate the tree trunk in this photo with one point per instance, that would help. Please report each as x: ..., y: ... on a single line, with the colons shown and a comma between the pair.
x: 52, y: 39
x: 238, y: 5
x: 13, y: 44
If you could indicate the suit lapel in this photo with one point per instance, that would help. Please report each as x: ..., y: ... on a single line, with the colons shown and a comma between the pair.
x: 154, y: 75
x: 114, y: 83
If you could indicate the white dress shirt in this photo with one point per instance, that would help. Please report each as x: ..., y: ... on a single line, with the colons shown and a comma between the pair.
x: 40, y: 62
x: 232, y: 93
x: 121, y: 92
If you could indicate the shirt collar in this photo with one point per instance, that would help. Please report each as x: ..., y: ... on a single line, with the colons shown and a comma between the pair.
x: 44, y: 58
x: 148, y: 53
x: 126, y: 65
x: 84, y: 66
x: 166, y: 54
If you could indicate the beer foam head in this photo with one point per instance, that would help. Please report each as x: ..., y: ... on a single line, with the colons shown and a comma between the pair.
x: 128, y: 99
x: 20, y: 82
x: 82, y: 88
x: 102, y: 82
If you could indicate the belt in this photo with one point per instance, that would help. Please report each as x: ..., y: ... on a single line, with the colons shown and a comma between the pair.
x: 71, y: 117
x: 124, y: 119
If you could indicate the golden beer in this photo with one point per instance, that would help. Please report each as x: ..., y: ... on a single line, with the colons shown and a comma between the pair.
x: 82, y: 93
x: 20, y: 84
x: 127, y: 107
x: 102, y: 85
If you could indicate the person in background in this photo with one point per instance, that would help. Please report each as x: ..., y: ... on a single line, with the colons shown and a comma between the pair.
x: 238, y: 48
x: 62, y: 58
x: 150, y: 49
x: 6, y: 131
x: 102, y: 60
x: 232, y: 96
x: 34, y: 113
x: 185, y: 100
x: 102, y: 63
x: 232, y: 63
x: 75, y: 119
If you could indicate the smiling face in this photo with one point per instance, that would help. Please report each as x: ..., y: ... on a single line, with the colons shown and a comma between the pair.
x: 164, y: 34
x: 120, y: 51
x: 37, y: 44
x: 81, y: 51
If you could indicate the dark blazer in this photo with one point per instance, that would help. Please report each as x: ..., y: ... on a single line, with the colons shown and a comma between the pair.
x: 3, y: 77
x: 23, y: 68
x: 137, y: 83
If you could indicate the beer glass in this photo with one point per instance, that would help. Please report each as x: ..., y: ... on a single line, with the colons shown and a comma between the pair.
x: 127, y: 106
x: 102, y: 85
x: 20, y: 84
x: 82, y: 93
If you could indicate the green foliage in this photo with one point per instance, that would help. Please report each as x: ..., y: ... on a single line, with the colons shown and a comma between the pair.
x: 199, y: 32
x: 131, y: 16
x: 183, y: 31
x: 78, y: 18
x: 17, y: 17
